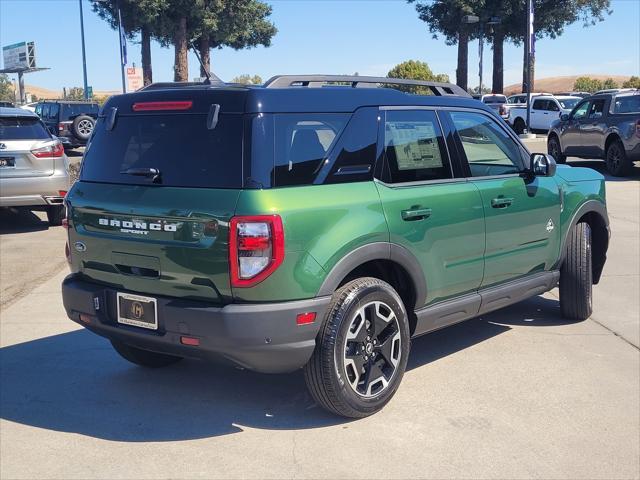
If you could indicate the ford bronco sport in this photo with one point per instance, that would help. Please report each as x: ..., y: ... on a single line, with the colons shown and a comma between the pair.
x: 310, y: 223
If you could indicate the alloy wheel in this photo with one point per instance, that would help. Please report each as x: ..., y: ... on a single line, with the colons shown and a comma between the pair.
x: 85, y: 127
x: 372, y: 349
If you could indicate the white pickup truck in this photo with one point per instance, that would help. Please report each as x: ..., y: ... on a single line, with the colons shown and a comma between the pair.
x: 545, y: 109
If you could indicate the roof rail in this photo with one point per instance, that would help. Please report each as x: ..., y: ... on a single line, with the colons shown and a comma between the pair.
x: 437, y: 88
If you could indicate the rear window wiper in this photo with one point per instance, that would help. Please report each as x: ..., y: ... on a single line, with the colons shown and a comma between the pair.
x: 153, y: 173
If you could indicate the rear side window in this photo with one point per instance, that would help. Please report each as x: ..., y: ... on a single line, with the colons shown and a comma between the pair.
x: 414, y: 148
x: 22, y: 128
x: 73, y: 110
x: 628, y: 104
x: 302, y: 142
x: 180, y: 146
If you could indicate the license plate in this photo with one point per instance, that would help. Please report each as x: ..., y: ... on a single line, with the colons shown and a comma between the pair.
x: 138, y: 311
x: 7, y: 162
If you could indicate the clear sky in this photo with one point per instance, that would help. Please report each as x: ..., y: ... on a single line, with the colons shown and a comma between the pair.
x: 314, y: 36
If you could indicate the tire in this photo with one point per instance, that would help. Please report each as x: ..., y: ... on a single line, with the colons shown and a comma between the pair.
x: 82, y: 127
x: 576, y: 284
x: 350, y: 350
x: 554, y: 149
x: 55, y: 215
x: 144, y: 358
x: 519, y: 126
x: 616, y: 159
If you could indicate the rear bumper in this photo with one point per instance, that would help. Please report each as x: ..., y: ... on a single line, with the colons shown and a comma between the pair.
x: 260, y: 337
x: 32, y: 191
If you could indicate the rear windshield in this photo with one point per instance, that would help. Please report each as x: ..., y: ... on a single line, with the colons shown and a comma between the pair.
x: 22, y: 128
x: 569, y: 103
x: 495, y: 99
x: 627, y: 104
x: 180, y: 146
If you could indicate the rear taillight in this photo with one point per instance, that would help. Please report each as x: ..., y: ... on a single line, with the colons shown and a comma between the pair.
x: 55, y: 150
x: 60, y: 127
x: 256, y: 248
x: 503, y: 110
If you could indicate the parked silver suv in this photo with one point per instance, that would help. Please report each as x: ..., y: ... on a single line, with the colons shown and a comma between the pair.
x: 34, y: 170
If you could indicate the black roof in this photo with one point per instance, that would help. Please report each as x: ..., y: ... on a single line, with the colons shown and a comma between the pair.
x: 260, y: 99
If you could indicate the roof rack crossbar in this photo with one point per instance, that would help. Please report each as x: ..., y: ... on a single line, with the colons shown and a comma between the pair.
x: 286, y: 81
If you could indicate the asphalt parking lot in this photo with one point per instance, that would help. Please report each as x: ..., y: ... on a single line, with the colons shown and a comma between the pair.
x: 520, y: 393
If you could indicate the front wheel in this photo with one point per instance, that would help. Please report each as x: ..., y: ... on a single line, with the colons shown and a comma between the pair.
x: 576, y: 283
x: 361, y: 351
x: 554, y: 149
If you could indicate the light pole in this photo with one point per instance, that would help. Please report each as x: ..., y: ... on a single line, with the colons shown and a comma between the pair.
x: 468, y: 19
x: 123, y: 45
x: 84, y: 57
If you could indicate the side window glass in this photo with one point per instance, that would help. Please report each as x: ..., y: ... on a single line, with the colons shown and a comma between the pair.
x: 597, y: 107
x: 540, y: 105
x: 580, y: 111
x: 552, y: 106
x: 302, y: 141
x: 45, y: 110
x: 488, y: 148
x: 53, y: 112
x: 39, y: 110
x: 353, y: 157
x: 414, y: 147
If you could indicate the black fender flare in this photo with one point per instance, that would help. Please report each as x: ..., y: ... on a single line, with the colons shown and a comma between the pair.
x: 377, y: 251
x: 589, y: 206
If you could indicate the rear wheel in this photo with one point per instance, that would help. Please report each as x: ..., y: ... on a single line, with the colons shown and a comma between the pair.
x: 519, y: 126
x: 576, y: 282
x: 361, y: 351
x: 554, y: 149
x: 616, y: 159
x: 144, y: 358
x: 55, y: 214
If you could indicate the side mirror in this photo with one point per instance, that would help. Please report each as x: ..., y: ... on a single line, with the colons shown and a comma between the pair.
x: 543, y: 165
x: 564, y: 117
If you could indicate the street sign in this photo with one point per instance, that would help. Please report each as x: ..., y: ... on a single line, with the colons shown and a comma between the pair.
x: 134, y: 79
x: 19, y: 55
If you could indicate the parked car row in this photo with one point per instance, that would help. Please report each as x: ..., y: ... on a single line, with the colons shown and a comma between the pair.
x: 604, y: 126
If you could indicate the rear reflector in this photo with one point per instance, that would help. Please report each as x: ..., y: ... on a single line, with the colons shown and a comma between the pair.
x: 155, y: 106
x: 306, y: 318
x: 62, y: 193
x: 191, y: 341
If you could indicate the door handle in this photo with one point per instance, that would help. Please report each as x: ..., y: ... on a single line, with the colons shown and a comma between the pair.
x: 413, y: 214
x: 501, y: 202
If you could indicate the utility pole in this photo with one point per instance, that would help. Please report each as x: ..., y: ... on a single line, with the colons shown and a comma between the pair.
x: 480, y: 53
x: 123, y: 51
x: 84, y: 57
x: 528, y: 54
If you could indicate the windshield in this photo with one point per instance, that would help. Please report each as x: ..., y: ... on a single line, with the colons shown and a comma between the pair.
x: 494, y: 99
x: 568, y: 103
x: 180, y: 146
x: 22, y: 128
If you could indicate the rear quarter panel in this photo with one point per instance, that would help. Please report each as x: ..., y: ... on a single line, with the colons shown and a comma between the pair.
x: 322, y: 224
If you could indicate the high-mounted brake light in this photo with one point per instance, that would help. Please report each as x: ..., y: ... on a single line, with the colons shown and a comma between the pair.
x: 256, y: 248
x: 55, y: 150
x: 155, y: 106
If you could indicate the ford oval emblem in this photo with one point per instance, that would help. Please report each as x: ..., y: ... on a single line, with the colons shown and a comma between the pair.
x: 81, y: 247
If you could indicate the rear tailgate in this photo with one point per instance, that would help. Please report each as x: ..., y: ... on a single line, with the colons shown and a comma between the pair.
x: 158, y: 186
x: 17, y: 161
x: 157, y: 241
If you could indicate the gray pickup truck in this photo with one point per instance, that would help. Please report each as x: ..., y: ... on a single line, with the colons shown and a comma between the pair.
x: 605, y: 126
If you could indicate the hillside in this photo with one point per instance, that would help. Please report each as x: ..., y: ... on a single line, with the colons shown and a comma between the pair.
x: 47, y: 93
x: 560, y: 84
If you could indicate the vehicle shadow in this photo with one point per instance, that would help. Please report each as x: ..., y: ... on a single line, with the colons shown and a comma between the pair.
x: 75, y: 382
x: 599, y: 166
x: 20, y: 220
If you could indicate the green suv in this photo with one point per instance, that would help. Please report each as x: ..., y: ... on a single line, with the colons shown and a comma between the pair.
x: 311, y: 223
